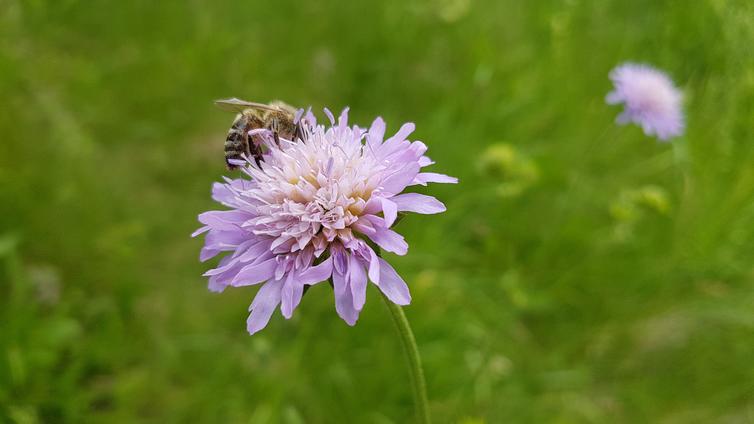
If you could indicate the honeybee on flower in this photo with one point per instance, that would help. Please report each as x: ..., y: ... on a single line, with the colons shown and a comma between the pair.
x: 311, y: 210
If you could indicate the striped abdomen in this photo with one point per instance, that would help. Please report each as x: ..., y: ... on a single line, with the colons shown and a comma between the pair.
x: 237, y: 142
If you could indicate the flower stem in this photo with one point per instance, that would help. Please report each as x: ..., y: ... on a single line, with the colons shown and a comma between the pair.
x: 414, y: 361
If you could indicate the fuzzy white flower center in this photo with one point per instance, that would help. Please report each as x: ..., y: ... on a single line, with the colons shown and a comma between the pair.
x: 313, y: 191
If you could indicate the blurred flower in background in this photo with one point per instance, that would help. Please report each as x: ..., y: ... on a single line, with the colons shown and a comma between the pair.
x: 650, y: 98
x: 295, y: 222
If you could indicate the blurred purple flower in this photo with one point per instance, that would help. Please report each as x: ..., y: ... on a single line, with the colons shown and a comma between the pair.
x: 650, y: 98
x: 307, y: 211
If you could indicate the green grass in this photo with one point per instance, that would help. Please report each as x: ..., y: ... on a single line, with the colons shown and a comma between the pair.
x: 590, y: 275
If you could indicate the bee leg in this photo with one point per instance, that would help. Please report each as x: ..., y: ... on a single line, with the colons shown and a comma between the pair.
x: 274, y: 128
x: 257, y: 155
x: 247, y: 146
x: 299, y: 132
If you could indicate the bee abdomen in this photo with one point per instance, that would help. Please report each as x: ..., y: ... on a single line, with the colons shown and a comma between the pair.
x: 235, y: 138
x: 236, y: 143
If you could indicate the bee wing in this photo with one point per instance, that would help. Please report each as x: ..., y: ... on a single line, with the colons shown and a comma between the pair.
x: 238, y: 105
x: 283, y: 106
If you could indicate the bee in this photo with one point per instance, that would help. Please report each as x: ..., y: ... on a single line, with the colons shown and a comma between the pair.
x: 277, y: 117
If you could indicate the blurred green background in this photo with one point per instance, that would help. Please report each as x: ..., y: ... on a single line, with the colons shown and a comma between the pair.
x: 583, y: 273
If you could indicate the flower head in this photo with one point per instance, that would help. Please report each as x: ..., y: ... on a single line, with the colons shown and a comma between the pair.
x: 311, y: 210
x: 650, y: 98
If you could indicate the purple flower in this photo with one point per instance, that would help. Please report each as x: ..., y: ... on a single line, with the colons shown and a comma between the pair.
x: 307, y: 211
x: 650, y: 98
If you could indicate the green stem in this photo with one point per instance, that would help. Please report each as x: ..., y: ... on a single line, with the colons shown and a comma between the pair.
x: 414, y: 361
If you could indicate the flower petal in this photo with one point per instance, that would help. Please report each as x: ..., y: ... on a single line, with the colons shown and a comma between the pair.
x: 344, y: 299
x: 374, y: 266
x: 431, y: 177
x: 291, y: 295
x: 201, y: 231
x: 358, y: 280
x: 226, y: 193
x: 425, y: 161
x: 254, y: 251
x: 224, y: 220
x: 390, y: 241
x: 405, y: 130
x: 215, y: 285
x: 317, y: 273
x: 330, y: 116
x: 613, y: 97
x: 264, y: 304
x: 340, y: 259
x: 207, y: 253
x: 255, y: 273
x: 396, y: 182
x: 419, y: 203
x: 393, y: 285
x: 343, y: 119
x: 390, y: 210
x: 376, y: 133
